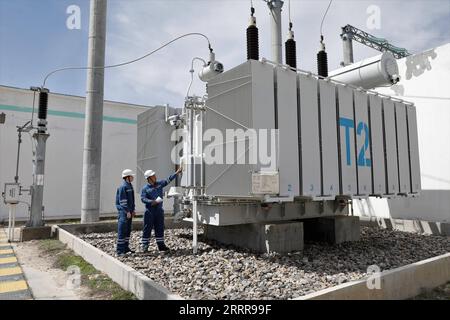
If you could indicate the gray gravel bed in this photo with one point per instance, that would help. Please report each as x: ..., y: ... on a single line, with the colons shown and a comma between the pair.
x: 226, y: 272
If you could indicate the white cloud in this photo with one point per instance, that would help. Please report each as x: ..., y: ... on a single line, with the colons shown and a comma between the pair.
x: 135, y: 27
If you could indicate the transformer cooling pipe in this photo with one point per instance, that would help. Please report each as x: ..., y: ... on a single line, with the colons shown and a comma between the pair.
x: 369, y: 73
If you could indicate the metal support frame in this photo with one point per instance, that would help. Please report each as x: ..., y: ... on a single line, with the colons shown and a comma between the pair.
x: 379, y: 44
x: 193, y: 106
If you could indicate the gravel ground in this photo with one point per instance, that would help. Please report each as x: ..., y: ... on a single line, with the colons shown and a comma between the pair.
x: 226, y: 272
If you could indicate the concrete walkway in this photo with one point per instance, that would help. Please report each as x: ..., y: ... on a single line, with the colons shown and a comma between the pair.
x: 45, y: 281
x: 13, y: 285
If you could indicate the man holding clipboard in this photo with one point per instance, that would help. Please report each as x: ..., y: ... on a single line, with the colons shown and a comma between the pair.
x: 151, y: 196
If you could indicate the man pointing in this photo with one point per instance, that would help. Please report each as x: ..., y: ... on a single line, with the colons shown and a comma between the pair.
x: 152, y: 197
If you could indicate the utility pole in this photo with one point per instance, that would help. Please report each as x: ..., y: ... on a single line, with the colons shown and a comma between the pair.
x: 275, y: 7
x: 92, y: 156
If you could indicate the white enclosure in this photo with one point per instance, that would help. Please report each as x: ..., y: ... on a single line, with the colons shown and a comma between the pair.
x: 337, y: 140
x: 62, y: 194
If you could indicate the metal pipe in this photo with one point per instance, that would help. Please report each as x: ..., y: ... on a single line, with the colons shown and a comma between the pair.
x: 10, y: 221
x: 13, y: 211
x: 191, y: 166
x: 194, y: 222
x: 16, y: 177
x: 90, y: 189
x: 275, y: 7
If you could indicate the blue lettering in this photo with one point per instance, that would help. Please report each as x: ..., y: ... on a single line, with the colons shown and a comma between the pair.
x: 347, y: 123
x: 362, y: 160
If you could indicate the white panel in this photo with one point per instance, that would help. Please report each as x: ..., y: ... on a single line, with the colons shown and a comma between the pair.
x: 154, y: 145
x: 309, y: 137
x: 243, y: 98
x: 377, y: 145
x: 390, y: 141
x: 413, y: 149
x: 287, y: 126
x: 402, y: 148
x: 347, y: 141
x: 263, y: 96
x: 328, y: 127
x: 363, y: 153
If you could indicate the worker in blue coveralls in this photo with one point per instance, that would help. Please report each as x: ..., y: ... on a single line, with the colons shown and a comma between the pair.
x: 125, y: 205
x: 151, y: 196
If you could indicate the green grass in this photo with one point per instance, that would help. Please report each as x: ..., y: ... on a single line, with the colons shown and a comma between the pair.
x: 98, y: 283
x: 101, y: 283
x: 51, y: 246
x: 67, y: 259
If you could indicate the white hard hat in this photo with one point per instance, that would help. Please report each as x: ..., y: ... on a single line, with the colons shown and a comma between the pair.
x: 149, y: 173
x: 127, y: 173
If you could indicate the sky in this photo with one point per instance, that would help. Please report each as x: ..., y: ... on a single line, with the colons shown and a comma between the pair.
x: 35, y: 39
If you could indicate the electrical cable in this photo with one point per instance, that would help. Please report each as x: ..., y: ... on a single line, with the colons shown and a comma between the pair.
x: 131, y: 61
x: 323, y: 18
x: 32, y: 112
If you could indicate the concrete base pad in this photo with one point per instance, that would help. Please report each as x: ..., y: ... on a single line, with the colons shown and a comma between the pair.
x: 415, y: 226
x: 333, y: 230
x: 35, y: 233
x: 281, y: 237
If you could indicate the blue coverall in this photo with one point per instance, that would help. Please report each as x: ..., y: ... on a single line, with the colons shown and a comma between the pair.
x: 124, y: 203
x: 154, y: 214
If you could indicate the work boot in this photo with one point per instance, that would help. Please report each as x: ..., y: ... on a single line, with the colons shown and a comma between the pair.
x: 163, y: 247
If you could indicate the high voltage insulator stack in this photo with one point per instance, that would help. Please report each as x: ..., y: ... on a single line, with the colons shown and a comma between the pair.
x: 291, y: 50
x: 252, y: 38
x: 322, y: 60
x: 43, y: 105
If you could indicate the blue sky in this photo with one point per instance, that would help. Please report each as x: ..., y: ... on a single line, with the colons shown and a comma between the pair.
x: 34, y: 39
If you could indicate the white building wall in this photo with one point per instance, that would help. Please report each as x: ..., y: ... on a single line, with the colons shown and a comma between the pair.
x: 425, y: 81
x: 62, y: 195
